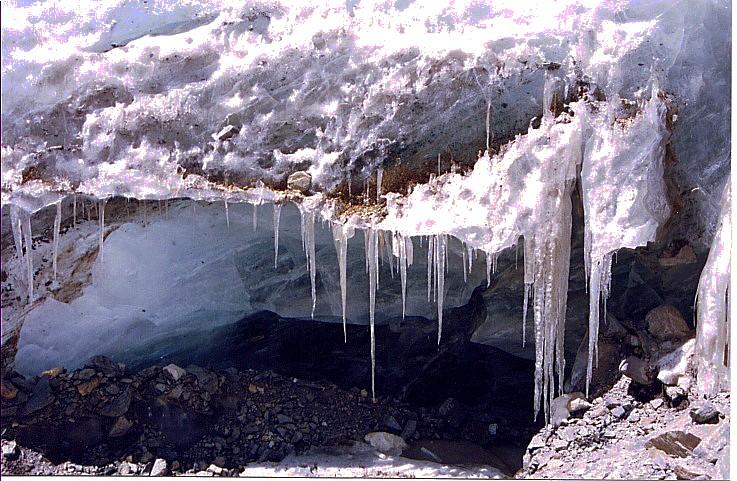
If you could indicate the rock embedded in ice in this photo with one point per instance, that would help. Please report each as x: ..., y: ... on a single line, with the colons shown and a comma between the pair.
x: 300, y: 181
x: 226, y: 133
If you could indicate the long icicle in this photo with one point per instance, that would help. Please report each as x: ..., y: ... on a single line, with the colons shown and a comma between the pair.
x: 255, y: 216
x: 430, y: 248
x: 308, y: 236
x: 340, y: 236
x: 440, y: 248
x: 28, y: 239
x: 101, y: 214
x: 227, y: 216
x: 401, y: 242
x: 372, y: 254
x: 277, y: 217
x: 74, y: 211
x: 57, y: 226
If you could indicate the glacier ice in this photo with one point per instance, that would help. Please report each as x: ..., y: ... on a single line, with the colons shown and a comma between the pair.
x: 713, y: 303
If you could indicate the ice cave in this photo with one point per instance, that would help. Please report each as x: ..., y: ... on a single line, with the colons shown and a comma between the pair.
x: 464, y: 238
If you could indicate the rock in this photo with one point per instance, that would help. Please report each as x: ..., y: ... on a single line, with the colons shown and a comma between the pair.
x: 619, y: 412
x: 300, y: 181
x: 684, y: 256
x: 175, y: 371
x: 11, y: 451
x: 283, y: 419
x: 675, y: 443
x: 409, y: 429
x: 119, y: 405
x: 86, y: 388
x: 683, y: 472
x: 226, y: 133
x: 252, y: 388
x: 568, y: 433
x: 52, y: 373
x: 159, y: 468
x: 492, y: 429
x: 564, y: 405
x: 638, y: 370
x: 215, y: 469
x: 121, y: 427
x: 106, y: 365
x: 391, y: 423
x: 675, y: 393
x: 85, y: 374
x: 364, y: 393
x: 7, y: 390
x: 633, y: 417
x: 674, y: 364
x: 40, y: 397
x: 598, y: 411
x: 656, y: 403
x: 386, y: 442
x: 207, y: 380
x: 704, y: 413
x: 666, y: 323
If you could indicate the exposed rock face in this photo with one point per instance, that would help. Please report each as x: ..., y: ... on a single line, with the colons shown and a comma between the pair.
x: 666, y: 323
x: 300, y: 181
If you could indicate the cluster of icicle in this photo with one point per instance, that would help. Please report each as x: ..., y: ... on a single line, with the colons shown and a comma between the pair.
x: 523, y: 192
x: 713, y: 300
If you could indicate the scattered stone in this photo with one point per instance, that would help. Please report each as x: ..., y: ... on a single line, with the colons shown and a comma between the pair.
x: 619, y: 412
x: 7, y: 390
x: 283, y: 419
x: 215, y: 469
x: 598, y: 411
x: 386, y: 442
x: 666, y: 323
x: 633, y: 417
x: 226, y: 133
x: 86, y: 388
x: 638, y: 370
x: 175, y: 371
x: 578, y: 404
x: 704, y: 413
x: 52, y: 373
x: 85, y: 374
x: 675, y: 443
x: 252, y: 388
x: 364, y: 393
x: 119, y: 405
x: 492, y: 429
x: 675, y: 393
x: 40, y: 397
x: 674, y: 364
x: 300, y: 181
x: 656, y: 403
x: 159, y: 468
x: 409, y: 429
x: 11, y: 451
x: 106, y: 365
x: 391, y: 423
x: 121, y: 427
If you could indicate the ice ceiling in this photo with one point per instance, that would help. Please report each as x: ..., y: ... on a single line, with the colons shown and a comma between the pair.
x: 155, y: 100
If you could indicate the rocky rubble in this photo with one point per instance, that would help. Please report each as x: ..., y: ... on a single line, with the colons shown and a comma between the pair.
x: 624, y: 434
x: 105, y: 420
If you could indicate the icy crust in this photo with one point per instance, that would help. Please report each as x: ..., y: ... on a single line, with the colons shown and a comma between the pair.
x: 122, y: 99
x: 713, y: 303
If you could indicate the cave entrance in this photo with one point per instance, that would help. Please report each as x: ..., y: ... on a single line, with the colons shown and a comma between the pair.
x: 266, y: 385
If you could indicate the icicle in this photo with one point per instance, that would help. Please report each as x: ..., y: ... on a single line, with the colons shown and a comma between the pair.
x: 366, y: 248
x: 373, y: 255
x: 488, y: 269
x: 600, y: 277
x: 379, y: 179
x: 308, y: 241
x: 388, y: 247
x: 57, y: 226
x: 440, y: 248
x: 74, y: 212
x: 713, y: 303
x: 524, y: 314
x: 464, y: 265
x: 17, y: 227
x: 430, y: 250
x: 277, y: 216
x: 28, y: 239
x: 255, y: 216
x: 471, y: 255
x: 340, y: 236
x: 227, y: 216
x: 101, y: 214
x: 488, y: 127
x: 402, y: 243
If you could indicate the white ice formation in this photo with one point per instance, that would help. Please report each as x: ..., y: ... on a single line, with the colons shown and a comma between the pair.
x: 215, y: 102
